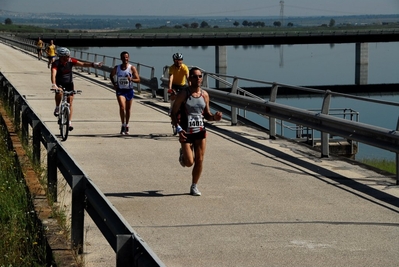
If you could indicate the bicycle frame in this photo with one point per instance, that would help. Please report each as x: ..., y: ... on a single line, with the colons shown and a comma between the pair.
x: 64, y: 112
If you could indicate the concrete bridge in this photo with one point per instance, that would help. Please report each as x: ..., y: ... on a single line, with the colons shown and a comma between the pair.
x: 360, y: 38
x: 265, y: 202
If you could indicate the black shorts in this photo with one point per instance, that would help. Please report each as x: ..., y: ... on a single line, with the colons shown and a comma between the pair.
x: 179, y: 88
x: 190, y: 138
x: 67, y: 86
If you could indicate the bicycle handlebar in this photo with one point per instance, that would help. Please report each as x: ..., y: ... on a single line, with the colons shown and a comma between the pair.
x: 57, y: 91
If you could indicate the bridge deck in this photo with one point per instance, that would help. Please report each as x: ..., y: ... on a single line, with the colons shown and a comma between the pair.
x: 264, y: 203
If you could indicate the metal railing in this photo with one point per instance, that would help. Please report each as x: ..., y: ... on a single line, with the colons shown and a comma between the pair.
x: 130, y: 248
x: 146, y: 72
x: 322, y: 120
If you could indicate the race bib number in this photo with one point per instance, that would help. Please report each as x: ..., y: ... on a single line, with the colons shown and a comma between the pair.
x: 123, y: 82
x: 195, y: 121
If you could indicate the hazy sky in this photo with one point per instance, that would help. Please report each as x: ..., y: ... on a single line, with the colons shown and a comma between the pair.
x: 205, y: 7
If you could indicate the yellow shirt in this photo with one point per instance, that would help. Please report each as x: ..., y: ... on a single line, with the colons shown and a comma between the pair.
x: 179, y: 75
x: 39, y: 44
x: 50, y: 50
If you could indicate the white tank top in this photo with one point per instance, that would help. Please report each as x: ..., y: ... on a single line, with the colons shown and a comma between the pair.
x: 122, y: 77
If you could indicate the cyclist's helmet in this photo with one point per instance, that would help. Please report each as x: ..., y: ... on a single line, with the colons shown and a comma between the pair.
x: 177, y: 56
x: 63, y: 52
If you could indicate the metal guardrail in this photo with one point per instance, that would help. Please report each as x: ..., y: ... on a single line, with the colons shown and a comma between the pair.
x: 130, y: 248
x: 149, y: 80
x: 323, y: 120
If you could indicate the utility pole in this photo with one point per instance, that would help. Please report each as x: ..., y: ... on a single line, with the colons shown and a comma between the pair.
x: 282, y: 12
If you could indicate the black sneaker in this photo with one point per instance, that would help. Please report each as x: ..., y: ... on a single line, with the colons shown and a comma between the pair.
x: 127, y: 130
x: 56, y: 111
x: 70, y: 128
x: 123, y: 130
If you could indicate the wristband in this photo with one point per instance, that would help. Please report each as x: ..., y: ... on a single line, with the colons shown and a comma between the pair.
x: 179, y: 129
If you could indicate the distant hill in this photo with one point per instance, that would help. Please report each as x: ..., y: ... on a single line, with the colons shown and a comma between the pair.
x: 87, y: 22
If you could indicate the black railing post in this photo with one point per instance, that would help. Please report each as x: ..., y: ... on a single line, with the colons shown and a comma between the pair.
x: 36, y: 132
x: 78, y: 206
x: 52, y: 171
x: 124, y: 250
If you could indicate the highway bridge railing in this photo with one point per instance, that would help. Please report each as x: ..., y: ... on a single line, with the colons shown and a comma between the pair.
x: 129, y: 247
x: 146, y: 72
x: 324, y: 120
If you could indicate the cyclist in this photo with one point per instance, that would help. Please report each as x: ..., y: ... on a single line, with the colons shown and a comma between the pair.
x: 178, y: 79
x: 61, y: 77
x: 178, y: 75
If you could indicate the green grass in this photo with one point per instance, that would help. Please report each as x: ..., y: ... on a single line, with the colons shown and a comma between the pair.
x: 21, y: 242
x: 27, y: 29
x: 382, y: 164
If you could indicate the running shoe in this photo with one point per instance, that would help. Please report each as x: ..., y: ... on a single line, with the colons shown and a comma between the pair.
x: 194, y: 190
x: 70, y: 128
x: 181, y: 158
x: 123, y: 130
x: 56, y: 111
x: 127, y: 130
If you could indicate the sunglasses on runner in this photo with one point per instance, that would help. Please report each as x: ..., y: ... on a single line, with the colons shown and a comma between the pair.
x: 196, y: 76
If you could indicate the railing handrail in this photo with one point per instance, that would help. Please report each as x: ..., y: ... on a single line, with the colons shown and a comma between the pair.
x: 149, y: 80
x: 130, y: 248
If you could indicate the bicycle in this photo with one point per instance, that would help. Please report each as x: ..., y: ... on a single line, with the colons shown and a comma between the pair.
x: 64, y: 111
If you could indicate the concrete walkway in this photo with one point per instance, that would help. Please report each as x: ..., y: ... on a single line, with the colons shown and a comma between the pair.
x: 264, y: 202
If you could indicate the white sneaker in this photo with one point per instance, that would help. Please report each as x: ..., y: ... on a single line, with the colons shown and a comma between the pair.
x: 194, y: 191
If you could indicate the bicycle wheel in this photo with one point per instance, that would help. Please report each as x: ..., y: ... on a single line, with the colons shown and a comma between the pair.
x: 64, y: 123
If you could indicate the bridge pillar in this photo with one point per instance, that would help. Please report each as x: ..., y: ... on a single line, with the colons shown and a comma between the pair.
x: 220, y: 63
x: 362, y: 62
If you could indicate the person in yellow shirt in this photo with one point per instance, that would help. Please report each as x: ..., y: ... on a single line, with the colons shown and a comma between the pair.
x: 50, y: 51
x: 39, y: 48
x: 178, y: 75
x: 178, y: 80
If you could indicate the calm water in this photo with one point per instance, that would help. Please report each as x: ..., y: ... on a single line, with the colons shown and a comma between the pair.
x: 304, y: 65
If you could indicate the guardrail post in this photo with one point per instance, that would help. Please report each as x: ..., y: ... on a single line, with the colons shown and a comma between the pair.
x: 165, y: 89
x: 272, y: 121
x: 36, y: 133
x: 52, y: 183
x: 78, y: 205
x: 325, y: 149
x: 124, y: 251
x: 25, y: 124
x: 397, y: 158
x: 95, y: 69
x: 104, y: 73
x: 88, y: 59
x: 17, y: 111
x: 234, y: 109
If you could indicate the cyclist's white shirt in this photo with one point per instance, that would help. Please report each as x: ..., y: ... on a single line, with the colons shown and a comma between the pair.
x: 122, y: 75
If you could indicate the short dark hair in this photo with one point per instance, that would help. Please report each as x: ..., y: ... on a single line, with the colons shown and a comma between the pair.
x: 193, y: 69
x: 124, y: 52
